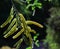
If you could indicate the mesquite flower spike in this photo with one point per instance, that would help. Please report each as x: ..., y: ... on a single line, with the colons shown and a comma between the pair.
x: 25, y: 30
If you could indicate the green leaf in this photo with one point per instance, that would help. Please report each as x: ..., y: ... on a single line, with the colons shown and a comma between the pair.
x: 35, y: 1
x: 37, y: 43
x: 28, y: 48
x: 38, y: 4
x: 39, y: 7
x: 35, y: 37
x: 28, y: 1
x: 28, y: 6
x: 33, y: 7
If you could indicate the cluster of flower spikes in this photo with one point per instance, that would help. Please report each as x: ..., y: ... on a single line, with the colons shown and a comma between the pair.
x: 15, y: 23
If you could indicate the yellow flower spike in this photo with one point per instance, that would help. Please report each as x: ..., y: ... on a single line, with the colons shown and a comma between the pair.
x: 18, y: 34
x: 18, y: 42
x: 24, y: 24
x: 22, y: 17
x: 22, y: 20
x: 30, y: 39
x: 27, y: 31
x: 7, y: 21
x: 35, y: 23
x: 26, y: 40
x: 13, y: 29
x: 25, y: 28
x: 33, y: 31
x: 12, y: 11
x: 29, y: 28
x: 10, y: 26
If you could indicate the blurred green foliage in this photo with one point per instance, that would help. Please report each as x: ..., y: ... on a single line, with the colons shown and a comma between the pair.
x: 34, y: 4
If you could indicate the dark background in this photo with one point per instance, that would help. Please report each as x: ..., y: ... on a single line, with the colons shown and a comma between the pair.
x: 41, y: 16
